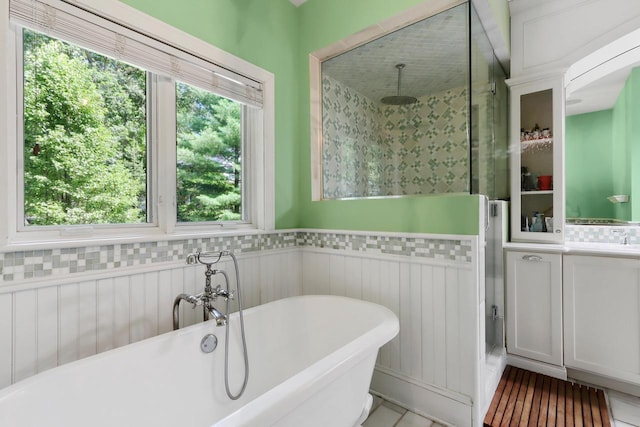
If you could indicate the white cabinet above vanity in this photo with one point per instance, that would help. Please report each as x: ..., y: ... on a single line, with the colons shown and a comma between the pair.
x: 537, y: 161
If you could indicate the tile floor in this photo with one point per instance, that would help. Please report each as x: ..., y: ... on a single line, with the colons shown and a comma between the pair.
x: 386, y: 414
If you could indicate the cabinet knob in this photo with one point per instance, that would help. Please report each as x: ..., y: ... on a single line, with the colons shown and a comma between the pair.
x: 535, y: 258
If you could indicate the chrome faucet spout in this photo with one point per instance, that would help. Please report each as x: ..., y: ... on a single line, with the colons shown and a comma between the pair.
x: 193, y: 299
x: 221, y: 319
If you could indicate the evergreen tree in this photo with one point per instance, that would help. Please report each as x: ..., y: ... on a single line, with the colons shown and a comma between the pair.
x: 209, y: 145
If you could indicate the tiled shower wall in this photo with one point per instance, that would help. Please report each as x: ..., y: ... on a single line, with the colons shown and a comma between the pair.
x: 371, y: 149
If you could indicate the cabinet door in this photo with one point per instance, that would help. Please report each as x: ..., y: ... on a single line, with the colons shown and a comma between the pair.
x: 602, y: 316
x: 537, y: 165
x: 534, y: 306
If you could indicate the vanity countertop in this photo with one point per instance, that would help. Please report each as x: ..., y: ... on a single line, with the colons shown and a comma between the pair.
x: 579, y: 248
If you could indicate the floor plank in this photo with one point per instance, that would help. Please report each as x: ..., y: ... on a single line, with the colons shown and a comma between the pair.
x: 525, y: 398
x: 528, y: 400
x: 493, y: 407
x: 511, y: 403
x: 519, y: 406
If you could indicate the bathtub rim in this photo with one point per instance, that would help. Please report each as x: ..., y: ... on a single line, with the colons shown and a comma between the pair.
x: 300, y: 387
x: 388, y: 330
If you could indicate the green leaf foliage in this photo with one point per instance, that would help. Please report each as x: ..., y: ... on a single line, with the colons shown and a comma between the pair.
x: 84, y: 140
x: 209, y: 148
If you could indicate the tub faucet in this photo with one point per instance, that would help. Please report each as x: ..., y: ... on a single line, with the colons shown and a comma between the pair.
x: 221, y: 319
x: 204, y: 299
x: 210, y: 294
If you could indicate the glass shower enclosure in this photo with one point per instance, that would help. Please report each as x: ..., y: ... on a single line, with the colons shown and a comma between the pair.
x: 419, y: 111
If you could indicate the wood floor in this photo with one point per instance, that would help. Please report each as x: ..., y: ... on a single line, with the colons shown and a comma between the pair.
x: 524, y: 398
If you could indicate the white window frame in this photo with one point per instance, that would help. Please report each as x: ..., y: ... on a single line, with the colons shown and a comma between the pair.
x: 258, y: 124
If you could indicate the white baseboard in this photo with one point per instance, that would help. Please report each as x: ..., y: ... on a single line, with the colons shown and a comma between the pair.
x: 554, y: 371
x: 421, y: 400
x: 624, y: 407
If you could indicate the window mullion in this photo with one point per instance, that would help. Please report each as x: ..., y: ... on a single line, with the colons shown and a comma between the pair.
x: 19, y: 149
x: 164, y: 135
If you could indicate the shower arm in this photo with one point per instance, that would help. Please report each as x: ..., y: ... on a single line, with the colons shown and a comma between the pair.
x: 399, y: 67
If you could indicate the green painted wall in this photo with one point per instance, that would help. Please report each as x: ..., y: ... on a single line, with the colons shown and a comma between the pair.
x: 633, y: 135
x: 278, y: 37
x: 589, y: 165
x: 500, y: 9
x: 620, y: 157
x: 626, y: 138
x: 602, y: 154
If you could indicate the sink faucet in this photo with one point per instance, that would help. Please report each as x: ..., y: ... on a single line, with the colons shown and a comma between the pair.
x: 624, y: 237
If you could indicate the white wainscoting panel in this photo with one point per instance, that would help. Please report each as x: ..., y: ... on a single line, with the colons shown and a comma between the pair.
x: 49, y: 323
x: 436, y: 350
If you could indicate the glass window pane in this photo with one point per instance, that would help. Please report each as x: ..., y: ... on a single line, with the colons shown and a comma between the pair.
x: 84, y: 135
x: 209, y: 156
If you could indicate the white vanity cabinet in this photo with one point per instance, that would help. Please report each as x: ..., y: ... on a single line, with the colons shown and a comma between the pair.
x: 537, y: 160
x: 602, y: 315
x: 534, y: 306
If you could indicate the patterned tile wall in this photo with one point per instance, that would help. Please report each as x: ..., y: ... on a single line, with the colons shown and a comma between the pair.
x: 57, y: 262
x: 601, y: 233
x: 352, y: 149
x: 372, y: 149
x: 426, y: 149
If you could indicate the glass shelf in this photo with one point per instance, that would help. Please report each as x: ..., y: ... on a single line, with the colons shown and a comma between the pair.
x: 532, y: 145
x: 536, y: 192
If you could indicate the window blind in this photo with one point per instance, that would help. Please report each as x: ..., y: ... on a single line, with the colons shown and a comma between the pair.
x: 67, y: 22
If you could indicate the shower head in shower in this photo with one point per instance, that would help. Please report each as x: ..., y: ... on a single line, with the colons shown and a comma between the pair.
x: 399, y: 99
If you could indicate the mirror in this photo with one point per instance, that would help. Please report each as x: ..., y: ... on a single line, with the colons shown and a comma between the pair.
x: 396, y: 116
x: 602, y: 136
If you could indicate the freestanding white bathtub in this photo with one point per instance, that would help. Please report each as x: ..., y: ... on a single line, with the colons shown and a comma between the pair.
x: 311, y: 360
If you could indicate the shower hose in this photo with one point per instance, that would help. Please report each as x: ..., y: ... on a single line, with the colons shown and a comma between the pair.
x: 226, y: 339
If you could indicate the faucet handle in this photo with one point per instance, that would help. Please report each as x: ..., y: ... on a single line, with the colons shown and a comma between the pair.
x: 219, y: 292
x: 192, y: 259
x: 196, y: 300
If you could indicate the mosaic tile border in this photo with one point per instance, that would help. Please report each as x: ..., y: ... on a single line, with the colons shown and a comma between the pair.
x: 444, y: 249
x: 63, y: 261
x: 601, y: 233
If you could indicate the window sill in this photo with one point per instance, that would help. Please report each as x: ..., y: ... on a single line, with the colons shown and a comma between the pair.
x: 30, y: 241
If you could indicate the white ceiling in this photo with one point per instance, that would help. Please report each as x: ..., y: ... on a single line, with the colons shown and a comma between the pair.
x: 599, y: 95
x: 433, y: 51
